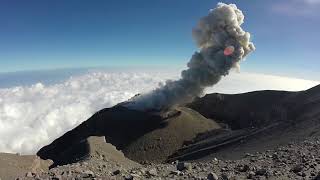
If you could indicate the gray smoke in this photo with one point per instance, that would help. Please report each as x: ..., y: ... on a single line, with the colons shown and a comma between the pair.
x: 222, y: 45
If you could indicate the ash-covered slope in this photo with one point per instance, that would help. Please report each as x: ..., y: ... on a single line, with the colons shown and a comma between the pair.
x: 258, y: 121
x: 141, y: 136
x: 259, y: 108
x: 242, y: 110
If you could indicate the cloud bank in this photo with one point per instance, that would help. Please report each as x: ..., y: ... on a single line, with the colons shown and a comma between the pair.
x: 33, y: 116
x: 246, y: 82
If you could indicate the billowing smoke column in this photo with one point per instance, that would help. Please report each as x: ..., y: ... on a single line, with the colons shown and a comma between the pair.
x: 222, y: 45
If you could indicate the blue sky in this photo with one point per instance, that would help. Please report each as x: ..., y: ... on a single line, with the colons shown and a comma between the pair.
x: 45, y: 34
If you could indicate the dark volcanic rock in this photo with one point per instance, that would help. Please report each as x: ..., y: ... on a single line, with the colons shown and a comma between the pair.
x: 212, y: 176
x: 183, y: 166
x: 242, y: 110
x: 298, y: 168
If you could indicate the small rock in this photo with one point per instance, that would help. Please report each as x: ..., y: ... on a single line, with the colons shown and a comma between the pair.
x: 249, y: 155
x: 88, y: 173
x: 57, y: 177
x: 261, y: 172
x: 66, y: 173
x: 269, y: 156
x: 178, y: 173
x: 29, y: 174
x: 304, y: 160
x: 153, y: 172
x: 224, y: 169
x: 83, y: 163
x: 116, y: 172
x: 175, y: 162
x: 225, y: 177
x: 142, y: 171
x: 297, y: 168
x: 317, y: 177
x: 128, y: 177
x: 183, y: 166
x: 175, y: 172
x: 212, y: 176
x: 136, y: 176
x: 243, y: 168
x: 251, y: 174
x: 253, y: 160
x: 275, y: 156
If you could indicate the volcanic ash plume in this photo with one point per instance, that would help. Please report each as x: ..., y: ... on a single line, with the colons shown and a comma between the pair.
x: 222, y: 45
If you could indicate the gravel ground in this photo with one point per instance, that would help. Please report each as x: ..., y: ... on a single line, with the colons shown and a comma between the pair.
x: 297, y: 160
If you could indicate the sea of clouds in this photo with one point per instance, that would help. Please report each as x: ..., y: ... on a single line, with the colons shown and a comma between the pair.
x: 33, y: 115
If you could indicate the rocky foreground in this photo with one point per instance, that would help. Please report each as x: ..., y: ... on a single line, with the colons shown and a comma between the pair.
x: 297, y: 160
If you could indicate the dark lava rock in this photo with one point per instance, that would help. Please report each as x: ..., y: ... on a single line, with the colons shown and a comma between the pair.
x: 212, y: 176
x: 225, y: 176
x: 261, y: 172
x: 116, y: 172
x: 183, y: 166
x: 251, y: 175
x: 243, y: 168
x: 298, y: 168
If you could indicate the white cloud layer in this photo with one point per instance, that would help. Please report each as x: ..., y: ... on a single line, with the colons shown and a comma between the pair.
x: 246, y: 82
x: 33, y: 116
